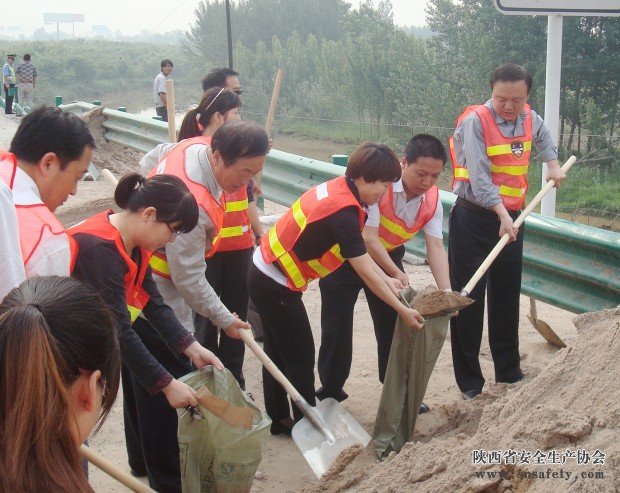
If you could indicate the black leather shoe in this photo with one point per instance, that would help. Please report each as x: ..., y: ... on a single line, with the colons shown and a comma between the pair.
x: 470, y: 394
x: 340, y: 395
x: 424, y: 409
x: 137, y: 474
x: 278, y: 428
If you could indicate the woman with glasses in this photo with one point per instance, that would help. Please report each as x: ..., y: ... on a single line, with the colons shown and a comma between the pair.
x: 113, y: 256
x: 227, y: 269
x: 59, y: 375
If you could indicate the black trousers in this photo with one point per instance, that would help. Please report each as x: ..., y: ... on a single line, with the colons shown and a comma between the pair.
x: 473, y: 234
x: 339, y: 293
x: 150, y: 422
x: 227, y: 273
x: 288, y: 342
x: 8, y: 100
x: 163, y: 112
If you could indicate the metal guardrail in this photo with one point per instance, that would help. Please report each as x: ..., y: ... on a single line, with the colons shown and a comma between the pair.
x: 569, y: 265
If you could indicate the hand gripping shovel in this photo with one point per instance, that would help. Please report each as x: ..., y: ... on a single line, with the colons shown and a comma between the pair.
x: 327, y: 429
x: 454, y: 301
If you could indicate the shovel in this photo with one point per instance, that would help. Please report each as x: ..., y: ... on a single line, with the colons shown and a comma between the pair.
x: 455, y: 303
x: 543, y: 327
x: 327, y: 429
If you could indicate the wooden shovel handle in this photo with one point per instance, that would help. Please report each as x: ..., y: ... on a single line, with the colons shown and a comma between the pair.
x: 502, y: 242
x: 116, y: 472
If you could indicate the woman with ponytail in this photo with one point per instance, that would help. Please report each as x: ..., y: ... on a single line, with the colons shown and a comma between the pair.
x: 227, y: 269
x: 59, y: 375
x: 113, y: 256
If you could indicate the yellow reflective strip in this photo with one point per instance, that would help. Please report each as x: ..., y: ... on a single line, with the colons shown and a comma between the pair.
x: 276, y: 247
x: 394, y: 228
x: 336, y: 252
x: 510, y: 170
x: 461, y: 173
x: 299, y: 215
x: 510, y: 191
x: 386, y: 245
x: 159, y: 265
x: 318, y: 268
x: 231, y: 231
x: 134, y: 312
x: 237, y: 205
x: 295, y: 274
x: 506, y: 148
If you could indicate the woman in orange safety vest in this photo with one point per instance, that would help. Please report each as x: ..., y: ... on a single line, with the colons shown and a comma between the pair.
x: 114, y: 253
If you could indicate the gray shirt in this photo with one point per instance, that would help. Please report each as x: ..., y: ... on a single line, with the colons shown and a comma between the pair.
x: 188, y: 288
x: 471, y: 152
x: 159, y: 86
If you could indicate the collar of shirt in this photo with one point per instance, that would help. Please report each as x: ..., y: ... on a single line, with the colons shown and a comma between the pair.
x: 25, y: 190
x: 356, y: 193
x: 212, y: 184
x: 399, y: 188
x: 499, y: 120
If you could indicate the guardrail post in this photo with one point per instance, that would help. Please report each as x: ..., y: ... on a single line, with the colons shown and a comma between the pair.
x: 58, y: 100
x: 96, y: 102
x: 158, y: 118
x: 123, y: 109
x: 340, y: 160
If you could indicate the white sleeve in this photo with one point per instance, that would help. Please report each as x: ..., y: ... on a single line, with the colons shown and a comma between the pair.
x: 374, y: 216
x: 161, y: 85
x: 12, y: 273
x: 152, y: 158
x: 434, y: 227
x: 52, y: 256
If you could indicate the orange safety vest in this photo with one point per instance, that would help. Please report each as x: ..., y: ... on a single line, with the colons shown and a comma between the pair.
x: 510, y: 157
x: 236, y: 232
x: 32, y: 219
x: 315, y: 204
x: 99, y: 225
x: 393, y: 231
x: 173, y: 163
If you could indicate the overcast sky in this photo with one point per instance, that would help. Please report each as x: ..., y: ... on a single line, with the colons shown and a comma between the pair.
x: 133, y: 16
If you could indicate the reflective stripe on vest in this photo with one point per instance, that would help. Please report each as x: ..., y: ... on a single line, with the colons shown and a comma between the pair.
x: 393, y: 231
x: 236, y: 232
x: 32, y: 219
x: 509, y: 157
x: 99, y: 225
x: 174, y: 163
x: 317, y: 203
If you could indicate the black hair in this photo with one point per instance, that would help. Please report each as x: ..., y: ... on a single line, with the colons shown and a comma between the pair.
x: 217, y: 78
x: 373, y: 162
x: 240, y: 139
x: 168, y: 194
x: 165, y: 62
x: 215, y: 100
x: 27, y: 57
x: 511, y: 72
x: 49, y: 129
x: 424, y: 145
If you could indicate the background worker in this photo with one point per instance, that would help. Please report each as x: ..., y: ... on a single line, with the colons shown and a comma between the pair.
x: 159, y: 89
x: 49, y: 154
x: 114, y: 253
x: 490, y: 152
x: 227, y: 269
x: 27, y: 79
x: 236, y: 153
x: 410, y: 205
x: 9, y: 80
x: 312, y: 239
x: 60, y: 374
x: 222, y: 77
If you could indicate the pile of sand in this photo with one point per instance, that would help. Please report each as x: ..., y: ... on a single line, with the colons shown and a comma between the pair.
x: 573, y: 405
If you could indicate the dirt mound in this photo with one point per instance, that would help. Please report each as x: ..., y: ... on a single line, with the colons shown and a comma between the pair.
x: 557, y: 432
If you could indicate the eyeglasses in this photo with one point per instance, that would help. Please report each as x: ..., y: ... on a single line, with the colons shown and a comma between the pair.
x: 174, y: 233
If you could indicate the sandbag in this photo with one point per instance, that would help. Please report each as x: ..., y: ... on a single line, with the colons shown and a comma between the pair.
x: 216, y: 456
x: 412, y: 358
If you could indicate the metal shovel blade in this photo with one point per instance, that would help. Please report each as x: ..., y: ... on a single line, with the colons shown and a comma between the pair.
x: 319, y: 452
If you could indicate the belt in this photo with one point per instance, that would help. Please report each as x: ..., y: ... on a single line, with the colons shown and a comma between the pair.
x: 483, y: 211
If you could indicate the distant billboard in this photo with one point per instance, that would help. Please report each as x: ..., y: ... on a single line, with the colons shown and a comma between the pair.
x: 62, y: 18
x: 562, y: 7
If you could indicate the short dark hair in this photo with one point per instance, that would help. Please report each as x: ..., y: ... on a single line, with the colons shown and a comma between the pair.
x: 165, y: 62
x: 49, y: 129
x: 215, y: 100
x: 171, y: 198
x: 373, y: 162
x: 217, y: 77
x: 240, y: 139
x: 27, y: 57
x: 511, y: 72
x: 424, y: 145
